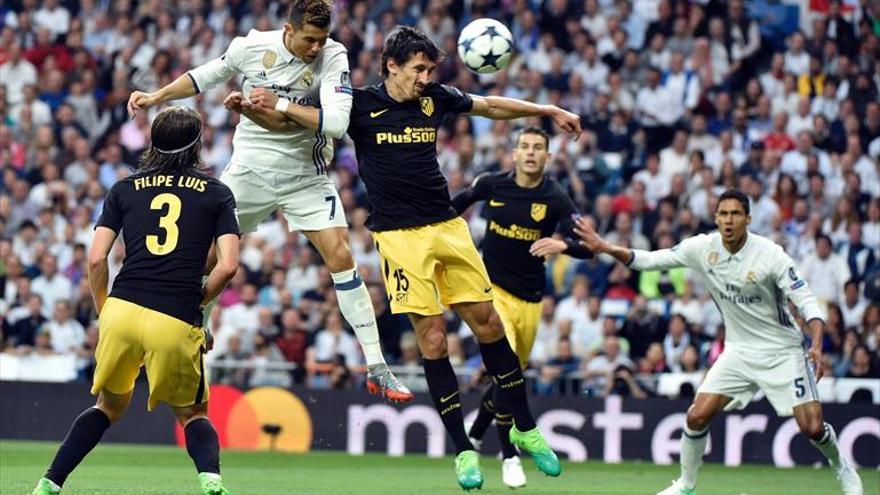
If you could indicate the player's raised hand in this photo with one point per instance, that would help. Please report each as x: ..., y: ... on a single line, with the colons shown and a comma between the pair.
x: 233, y: 101
x: 547, y: 246
x: 590, y: 239
x: 139, y: 100
x: 568, y: 122
x: 262, y: 97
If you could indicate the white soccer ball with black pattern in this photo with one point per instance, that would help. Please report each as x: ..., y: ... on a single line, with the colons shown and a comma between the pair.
x: 485, y: 46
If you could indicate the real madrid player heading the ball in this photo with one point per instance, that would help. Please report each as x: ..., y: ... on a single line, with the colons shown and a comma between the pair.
x: 169, y: 213
x: 524, y: 210
x: 428, y: 256
x: 280, y: 154
x: 751, y: 279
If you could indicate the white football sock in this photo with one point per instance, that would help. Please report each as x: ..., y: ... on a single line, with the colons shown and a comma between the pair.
x: 357, y: 309
x: 827, y: 445
x: 693, y: 444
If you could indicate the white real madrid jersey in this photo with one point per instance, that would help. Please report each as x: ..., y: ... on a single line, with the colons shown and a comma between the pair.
x: 263, y: 61
x: 751, y: 287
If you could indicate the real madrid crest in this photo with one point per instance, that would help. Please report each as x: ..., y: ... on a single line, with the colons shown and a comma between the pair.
x: 539, y: 211
x: 308, y: 78
x: 269, y: 58
x: 751, y: 277
x: 713, y: 258
x: 427, y: 104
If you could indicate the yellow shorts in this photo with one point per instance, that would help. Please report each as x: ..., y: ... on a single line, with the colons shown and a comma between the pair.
x: 172, y: 351
x: 520, y: 319
x: 431, y: 265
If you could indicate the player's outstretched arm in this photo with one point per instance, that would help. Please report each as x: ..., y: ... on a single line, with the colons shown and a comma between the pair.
x: 180, y: 88
x: 99, y: 272
x: 591, y: 240
x: 502, y: 108
x: 271, y: 120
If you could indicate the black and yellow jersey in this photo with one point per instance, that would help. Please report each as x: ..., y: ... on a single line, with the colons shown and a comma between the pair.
x: 516, y: 217
x: 168, y: 223
x: 396, y: 145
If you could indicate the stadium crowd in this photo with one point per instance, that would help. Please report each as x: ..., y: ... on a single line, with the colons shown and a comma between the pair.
x: 680, y: 99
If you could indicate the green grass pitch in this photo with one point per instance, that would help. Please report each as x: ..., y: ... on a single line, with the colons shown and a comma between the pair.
x: 142, y: 470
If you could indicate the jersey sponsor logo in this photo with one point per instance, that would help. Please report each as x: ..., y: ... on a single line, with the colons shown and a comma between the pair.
x: 307, y: 79
x: 735, y: 295
x: 539, y: 211
x: 427, y: 104
x: 515, y: 232
x: 410, y: 135
x: 713, y: 258
x: 495, y: 204
x: 373, y: 115
x: 269, y: 58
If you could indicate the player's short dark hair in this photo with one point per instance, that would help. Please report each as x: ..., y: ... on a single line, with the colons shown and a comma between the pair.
x: 535, y: 130
x: 176, y: 141
x: 314, y: 12
x: 737, y: 195
x: 405, y: 42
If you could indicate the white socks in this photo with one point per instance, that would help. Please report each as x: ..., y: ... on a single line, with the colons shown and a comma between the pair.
x: 827, y: 445
x: 693, y: 444
x: 357, y: 309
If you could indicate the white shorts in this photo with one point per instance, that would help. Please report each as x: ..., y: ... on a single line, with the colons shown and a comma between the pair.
x: 307, y: 202
x: 785, y: 378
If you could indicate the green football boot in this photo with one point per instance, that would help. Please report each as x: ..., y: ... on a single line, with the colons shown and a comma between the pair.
x: 212, y: 484
x: 467, y: 468
x: 533, y: 442
x: 46, y: 487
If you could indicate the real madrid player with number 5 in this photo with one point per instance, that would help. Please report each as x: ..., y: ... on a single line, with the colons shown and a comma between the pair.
x: 751, y: 280
x: 280, y: 153
x: 524, y: 209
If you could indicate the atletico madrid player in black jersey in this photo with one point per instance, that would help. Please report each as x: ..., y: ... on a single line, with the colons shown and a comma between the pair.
x: 429, y: 259
x: 523, y: 211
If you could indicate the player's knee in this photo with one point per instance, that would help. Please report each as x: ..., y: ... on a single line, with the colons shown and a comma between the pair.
x: 813, y: 428
x: 487, y: 325
x: 187, y: 414
x: 698, y: 418
x: 114, y: 414
x: 433, y: 343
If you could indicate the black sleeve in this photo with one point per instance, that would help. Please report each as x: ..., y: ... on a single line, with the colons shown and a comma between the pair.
x: 111, y: 214
x: 456, y: 100
x: 566, y: 223
x: 479, y: 191
x: 227, y: 222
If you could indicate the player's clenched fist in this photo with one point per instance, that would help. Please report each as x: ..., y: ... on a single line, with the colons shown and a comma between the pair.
x: 233, y: 101
x: 139, y: 100
x: 262, y: 97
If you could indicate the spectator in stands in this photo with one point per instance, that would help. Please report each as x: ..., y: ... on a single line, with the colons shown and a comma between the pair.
x: 67, y: 335
x: 553, y: 374
x: 25, y: 325
x: 862, y: 365
x: 826, y: 271
x: 676, y: 341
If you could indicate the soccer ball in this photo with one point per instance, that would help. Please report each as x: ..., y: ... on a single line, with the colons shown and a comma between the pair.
x: 485, y: 46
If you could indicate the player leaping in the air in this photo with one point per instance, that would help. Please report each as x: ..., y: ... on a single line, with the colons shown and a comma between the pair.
x: 280, y: 154
x: 524, y: 209
x: 429, y: 259
x: 751, y: 279
x: 169, y: 213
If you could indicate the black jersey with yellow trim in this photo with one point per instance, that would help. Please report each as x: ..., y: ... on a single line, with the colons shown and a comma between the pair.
x: 168, y: 223
x: 396, y: 146
x: 516, y: 217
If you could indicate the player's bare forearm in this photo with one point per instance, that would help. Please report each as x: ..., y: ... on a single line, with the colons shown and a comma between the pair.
x: 271, y: 120
x: 180, y: 88
x: 308, y: 117
x: 816, y: 327
x: 99, y: 274
x: 227, y: 265
x: 503, y: 108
